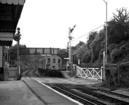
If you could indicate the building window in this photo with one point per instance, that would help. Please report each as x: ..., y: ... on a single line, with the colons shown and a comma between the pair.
x: 54, y: 60
x: 53, y: 67
x: 48, y: 60
x: 58, y: 60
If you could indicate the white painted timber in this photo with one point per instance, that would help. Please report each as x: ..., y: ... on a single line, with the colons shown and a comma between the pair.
x: 15, y: 2
x: 89, y: 73
x: 6, y: 36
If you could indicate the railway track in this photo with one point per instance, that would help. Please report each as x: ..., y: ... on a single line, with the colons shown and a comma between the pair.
x: 116, y: 94
x: 89, y: 96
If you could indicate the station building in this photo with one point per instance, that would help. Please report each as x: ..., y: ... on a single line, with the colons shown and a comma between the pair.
x: 50, y: 62
x: 10, y: 11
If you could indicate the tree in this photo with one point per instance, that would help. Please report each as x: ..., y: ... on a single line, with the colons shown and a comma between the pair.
x: 118, y: 27
x: 118, y: 41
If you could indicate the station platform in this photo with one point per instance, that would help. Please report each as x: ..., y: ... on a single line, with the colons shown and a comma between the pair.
x: 122, y: 91
x: 17, y: 93
x: 30, y: 92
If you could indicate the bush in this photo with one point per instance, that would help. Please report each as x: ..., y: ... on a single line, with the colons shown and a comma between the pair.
x: 124, y: 74
x: 116, y: 55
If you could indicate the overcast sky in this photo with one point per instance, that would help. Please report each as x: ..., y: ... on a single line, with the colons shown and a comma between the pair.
x: 45, y: 23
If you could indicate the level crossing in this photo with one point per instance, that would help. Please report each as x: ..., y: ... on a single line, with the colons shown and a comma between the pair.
x: 88, y: 72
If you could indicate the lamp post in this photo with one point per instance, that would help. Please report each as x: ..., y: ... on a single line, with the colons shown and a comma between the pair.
x: 106, y: 40
x: 17, y: 38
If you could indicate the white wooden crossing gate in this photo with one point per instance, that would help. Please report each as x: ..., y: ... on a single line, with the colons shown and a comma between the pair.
x: 89, y: 73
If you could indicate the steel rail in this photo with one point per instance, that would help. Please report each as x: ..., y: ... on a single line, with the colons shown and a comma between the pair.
x: 85, y: 100
x: 96, y: 97
x: 109, y: 96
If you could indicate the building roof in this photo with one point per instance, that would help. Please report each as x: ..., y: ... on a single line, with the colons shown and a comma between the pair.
x: 10, y: 12
x: 15, y: 2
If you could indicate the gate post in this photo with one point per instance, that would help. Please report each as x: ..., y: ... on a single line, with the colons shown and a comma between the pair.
x: 104, y: 67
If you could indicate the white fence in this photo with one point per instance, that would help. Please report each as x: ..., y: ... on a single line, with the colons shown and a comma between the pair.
x: 89, y: 73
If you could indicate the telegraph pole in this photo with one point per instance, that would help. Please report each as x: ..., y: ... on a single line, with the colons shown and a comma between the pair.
x: 105, y: 61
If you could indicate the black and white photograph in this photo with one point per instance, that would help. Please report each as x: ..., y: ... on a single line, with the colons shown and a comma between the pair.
x: 64, y: 52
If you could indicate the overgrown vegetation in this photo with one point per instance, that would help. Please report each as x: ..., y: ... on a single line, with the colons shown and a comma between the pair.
x: 91, y: 53
x: 118, y: 42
